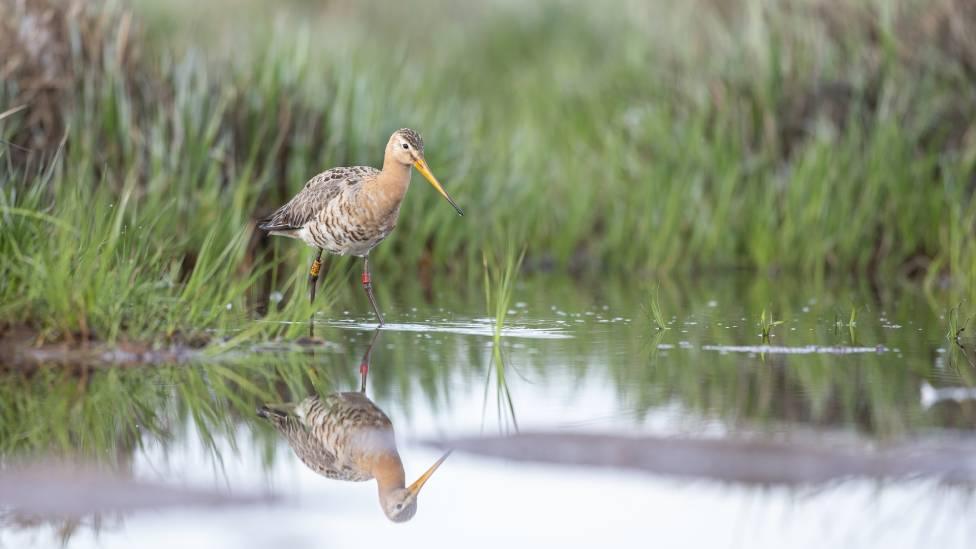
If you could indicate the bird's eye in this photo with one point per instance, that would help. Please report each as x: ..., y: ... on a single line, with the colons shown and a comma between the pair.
x: 400, y: 505
x: 405, y: 146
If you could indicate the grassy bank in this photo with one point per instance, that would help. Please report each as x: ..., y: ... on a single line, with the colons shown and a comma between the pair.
x: 814, y: 137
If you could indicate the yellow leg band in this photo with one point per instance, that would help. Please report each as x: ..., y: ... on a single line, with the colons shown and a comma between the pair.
x: 316, y: 265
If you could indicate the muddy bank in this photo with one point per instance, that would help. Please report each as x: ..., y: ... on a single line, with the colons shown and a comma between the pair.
x: 21, y: 348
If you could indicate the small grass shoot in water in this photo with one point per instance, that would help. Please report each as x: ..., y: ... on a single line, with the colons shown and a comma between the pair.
x: 766, y: 324
x: 850, y: 323
x: 500, y: 274
x: 499, y: 283
x: 954, y: 329
x: 657, y: 315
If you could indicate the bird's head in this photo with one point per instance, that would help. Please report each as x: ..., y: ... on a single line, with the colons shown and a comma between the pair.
x: 400, y: 504
x: 407, y: 147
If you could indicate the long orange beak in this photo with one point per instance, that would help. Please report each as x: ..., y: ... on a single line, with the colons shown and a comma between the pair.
x: 416, y: 486
x: 421, y: 166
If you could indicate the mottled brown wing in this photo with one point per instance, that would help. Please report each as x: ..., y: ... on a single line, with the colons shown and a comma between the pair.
x: 304, y: 443
x: 314, y: 197
x: 316, y: 457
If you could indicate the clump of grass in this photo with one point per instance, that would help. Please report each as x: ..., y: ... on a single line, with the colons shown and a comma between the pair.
x: 766, y: 324
x: 499, y: 282
x: 656, y: 313
x: 955, y: 328
x: 850, y: 323
x: 139, y: 227
x: 500, y: 274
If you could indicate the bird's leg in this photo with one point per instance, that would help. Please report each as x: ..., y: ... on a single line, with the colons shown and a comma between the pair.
x: 313, y: 276
x: 368, y: 286
x: 364, y: 365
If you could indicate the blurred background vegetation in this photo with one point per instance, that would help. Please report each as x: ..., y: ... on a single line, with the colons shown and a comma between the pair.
x: 141, y: 139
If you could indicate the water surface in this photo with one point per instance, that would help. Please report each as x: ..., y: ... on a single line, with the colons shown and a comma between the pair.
x: 827, y: 433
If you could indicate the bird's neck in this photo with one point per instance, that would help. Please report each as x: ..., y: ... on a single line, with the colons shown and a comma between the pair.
x: 388, y: 471
x: 391, y: 185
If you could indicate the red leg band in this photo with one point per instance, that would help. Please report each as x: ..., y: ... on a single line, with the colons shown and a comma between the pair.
x: 365, y: 279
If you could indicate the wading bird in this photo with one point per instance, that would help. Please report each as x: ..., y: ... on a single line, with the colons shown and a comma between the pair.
x: 348, y: 211
x: 345, y: 436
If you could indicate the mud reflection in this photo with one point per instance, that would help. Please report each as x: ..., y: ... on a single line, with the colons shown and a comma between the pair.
x: 747, y: 461
x: 70, y: 493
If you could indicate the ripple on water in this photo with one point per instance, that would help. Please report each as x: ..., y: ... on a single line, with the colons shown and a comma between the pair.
x: 475, y: 326
x: 798, y: 350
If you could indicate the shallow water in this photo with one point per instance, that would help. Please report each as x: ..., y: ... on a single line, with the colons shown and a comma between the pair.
x: 699, y: 435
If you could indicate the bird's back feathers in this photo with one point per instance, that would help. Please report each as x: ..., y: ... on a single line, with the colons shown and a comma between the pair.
x: 315, y: 197
x: 336, y: 435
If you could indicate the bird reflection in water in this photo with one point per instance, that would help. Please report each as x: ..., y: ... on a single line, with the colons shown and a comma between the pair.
x: 345, y: 436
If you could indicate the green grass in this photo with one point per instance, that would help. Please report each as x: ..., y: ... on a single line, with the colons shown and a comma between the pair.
x: 644, y: 139
x: 850, y: 322
x: 94, y: 265
x: 656, y: 314
x: 766, y: 325
x: 955, y: 324
x: 500, y: 273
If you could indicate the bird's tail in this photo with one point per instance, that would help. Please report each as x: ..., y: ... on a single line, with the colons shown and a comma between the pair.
x: 267, y: 224
x: 276, y: 413
x: 277, y: 221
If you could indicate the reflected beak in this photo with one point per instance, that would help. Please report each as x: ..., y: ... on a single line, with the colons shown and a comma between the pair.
x: 416, y: 486
x: 421, y: 166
